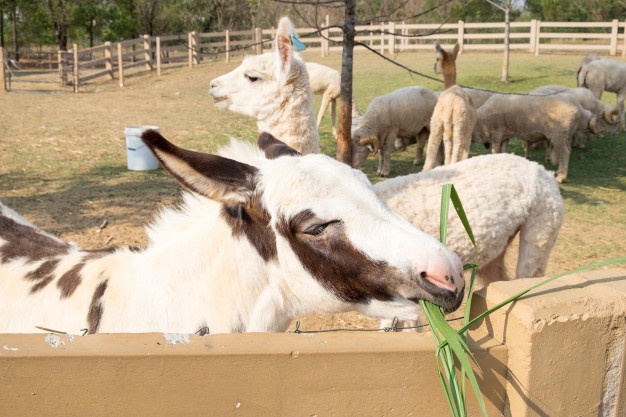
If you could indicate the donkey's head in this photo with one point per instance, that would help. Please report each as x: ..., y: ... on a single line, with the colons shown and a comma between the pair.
x: 330, y: 243
x: 262, y: 82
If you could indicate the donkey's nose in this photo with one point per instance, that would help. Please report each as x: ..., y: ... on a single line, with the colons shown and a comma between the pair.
x: 446, y: 271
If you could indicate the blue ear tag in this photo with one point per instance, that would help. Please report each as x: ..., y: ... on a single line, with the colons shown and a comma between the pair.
x: 297, y: 45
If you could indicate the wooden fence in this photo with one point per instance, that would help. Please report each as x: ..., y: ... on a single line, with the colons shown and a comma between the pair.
x: 78, y: 66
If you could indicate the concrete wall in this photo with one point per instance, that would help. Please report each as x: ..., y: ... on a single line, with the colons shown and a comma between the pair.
x: 566, y: 344
x: 563, y: 347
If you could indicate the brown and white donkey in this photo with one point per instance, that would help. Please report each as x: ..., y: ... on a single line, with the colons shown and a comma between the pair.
x: 263, y: 235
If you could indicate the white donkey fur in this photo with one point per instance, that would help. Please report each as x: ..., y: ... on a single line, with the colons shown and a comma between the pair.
x: 274, y: 89
x: 259, y: 239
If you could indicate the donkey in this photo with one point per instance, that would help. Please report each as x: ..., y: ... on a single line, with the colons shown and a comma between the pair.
x: 263, y: 235
x: 274, y: 89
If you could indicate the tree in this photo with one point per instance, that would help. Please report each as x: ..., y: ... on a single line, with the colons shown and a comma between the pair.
x: 506, y: 6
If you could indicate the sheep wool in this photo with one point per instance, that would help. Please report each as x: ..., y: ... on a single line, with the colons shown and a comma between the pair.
x: 502, y: 195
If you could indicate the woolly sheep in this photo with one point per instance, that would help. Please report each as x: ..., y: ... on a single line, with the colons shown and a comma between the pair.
x: 274, y: 89
x: 607, y: 116
x: 599, y: 75
x: 403, y: 113
x: 502, y: 195
x: 532, y: 118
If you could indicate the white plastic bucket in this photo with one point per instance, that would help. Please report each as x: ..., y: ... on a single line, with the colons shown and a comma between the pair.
x: 138, y: 155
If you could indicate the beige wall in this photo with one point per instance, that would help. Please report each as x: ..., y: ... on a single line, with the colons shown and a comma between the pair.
x: 563, y: 346
x: 566, y: 344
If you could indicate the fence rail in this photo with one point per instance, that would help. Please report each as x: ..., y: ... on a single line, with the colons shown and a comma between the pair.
x: 78, y: 66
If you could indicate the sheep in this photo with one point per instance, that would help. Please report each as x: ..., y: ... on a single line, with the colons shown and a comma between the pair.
x: 327, y: 82
x: 274, y: 89
x: 249, y: 249
x: 533, y: 118
x: 607, y: 116
x: 600, y: 75
x: 403, y: 113
x: 502, y: 195
x: 453, y: 117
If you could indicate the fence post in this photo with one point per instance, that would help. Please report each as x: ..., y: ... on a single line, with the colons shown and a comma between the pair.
x: 325, y: 35
x: 158, y: 55
x: 532, y: 35
x: 614, y: 33
x: 75, y: 78
x: 2, y: 70
x: 227, y: 34
x: 109, y: 56
x: 382, y: 38
x: 195, y: 53
x: 147, y: 47
x: 537, y: 36
x: 624, y: 44
x: 258, y: 39
x: 120, y: 64
x: 392, y: 37
x: 461, y: 36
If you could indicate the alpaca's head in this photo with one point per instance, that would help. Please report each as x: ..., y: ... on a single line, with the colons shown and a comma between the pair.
x: 445, y: 63
x: 263, y: 83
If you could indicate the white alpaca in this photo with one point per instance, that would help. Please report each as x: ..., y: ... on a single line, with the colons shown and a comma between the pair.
x: 326, y: 82
x: 454, y: 115
x: 274, y: 89
x: 250, y: 249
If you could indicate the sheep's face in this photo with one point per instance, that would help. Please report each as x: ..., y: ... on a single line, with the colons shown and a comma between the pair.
x: 362, y: 146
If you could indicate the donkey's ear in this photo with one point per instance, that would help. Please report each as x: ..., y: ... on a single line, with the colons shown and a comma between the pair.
x: 284, y: 45
x: 212, y: 176
x: 273, y: 147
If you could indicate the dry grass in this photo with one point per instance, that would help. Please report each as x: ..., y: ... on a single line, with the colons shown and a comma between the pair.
x: 63, y: 158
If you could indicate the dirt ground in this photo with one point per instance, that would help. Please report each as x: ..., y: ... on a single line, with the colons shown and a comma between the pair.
x: 63, y: 166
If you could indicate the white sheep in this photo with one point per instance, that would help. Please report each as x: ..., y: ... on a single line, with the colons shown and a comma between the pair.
x: 274, y: 89
x: 403, y: 113
x: 599, y: 75
x: 607, y: 116
x: 326, y: 82
x: 453, y: 117
x: 502, y: 195
x: 532, y: 118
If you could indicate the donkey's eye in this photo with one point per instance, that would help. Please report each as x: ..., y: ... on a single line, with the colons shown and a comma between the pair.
x: 317, y: 229
x: 252, y: 78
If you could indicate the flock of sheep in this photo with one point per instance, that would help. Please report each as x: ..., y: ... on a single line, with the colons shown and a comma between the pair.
x: 554, y: 115
x: 515, y: 197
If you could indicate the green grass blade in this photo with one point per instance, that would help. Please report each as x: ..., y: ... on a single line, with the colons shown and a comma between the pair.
x: 446, y: 191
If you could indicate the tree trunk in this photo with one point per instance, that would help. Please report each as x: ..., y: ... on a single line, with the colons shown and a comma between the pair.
x: 507, y: 35
x: 16, y: 46
x: 344, y: 151
x: 2, y: 28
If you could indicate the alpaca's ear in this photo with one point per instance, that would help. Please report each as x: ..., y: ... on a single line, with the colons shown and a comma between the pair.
x: 284, y: 46
x: 455, y: 51
x: 438, y: 47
